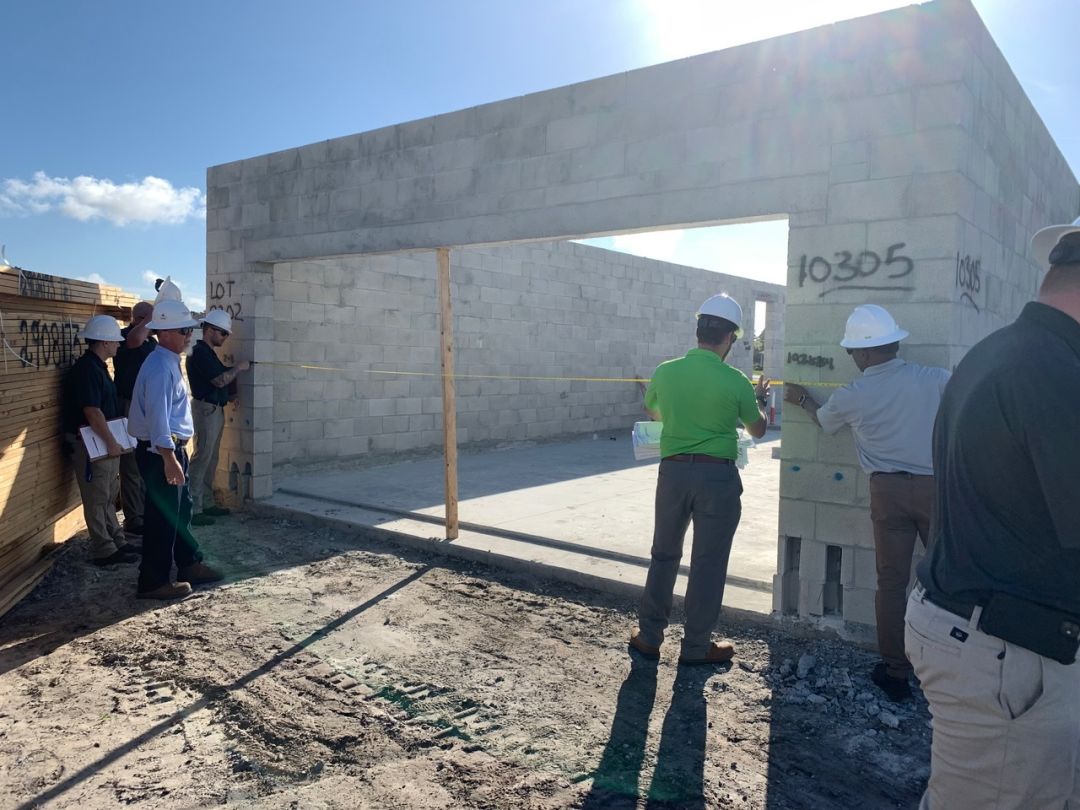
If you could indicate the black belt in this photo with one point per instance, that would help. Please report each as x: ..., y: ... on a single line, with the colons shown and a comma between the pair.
x: 905, y: 474
x: 180, y: 443
x: 699, y: 458
x: 960, y: 607
x: 210, y: 402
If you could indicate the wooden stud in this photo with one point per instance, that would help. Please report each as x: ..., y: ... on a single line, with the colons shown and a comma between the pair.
x: 446, y: 337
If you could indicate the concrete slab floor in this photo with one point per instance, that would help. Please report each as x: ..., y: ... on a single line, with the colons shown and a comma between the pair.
x: 580, y: 510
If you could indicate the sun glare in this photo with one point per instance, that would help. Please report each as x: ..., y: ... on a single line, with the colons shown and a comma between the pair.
x: 678, y: 28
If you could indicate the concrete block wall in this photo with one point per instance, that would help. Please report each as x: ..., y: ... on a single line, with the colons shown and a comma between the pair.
x: 899, y: 146
x: 949, y: 182
x: 542, y: 310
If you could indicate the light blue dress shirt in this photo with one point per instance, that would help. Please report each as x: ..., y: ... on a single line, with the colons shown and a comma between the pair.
x: 891, y: 409
x: 160, y: 408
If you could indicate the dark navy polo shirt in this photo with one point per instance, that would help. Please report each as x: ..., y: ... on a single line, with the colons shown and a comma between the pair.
x: 1007, y: 465
x: 128, y: 362
x: 203, y: 365
x: 88, y: 385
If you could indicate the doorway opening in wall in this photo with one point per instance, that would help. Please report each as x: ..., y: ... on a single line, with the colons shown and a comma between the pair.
x: 749, y: 261
x: 553, y: 346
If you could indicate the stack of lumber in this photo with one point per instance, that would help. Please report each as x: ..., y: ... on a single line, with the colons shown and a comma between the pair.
x: 40, y: 318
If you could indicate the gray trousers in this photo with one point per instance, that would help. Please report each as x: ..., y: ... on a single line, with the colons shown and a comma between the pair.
x: 132, y: 489
x: 209, y: 421
x: 99, y: 501
x: 709, y: 495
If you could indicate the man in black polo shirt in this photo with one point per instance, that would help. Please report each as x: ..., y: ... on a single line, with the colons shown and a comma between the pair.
x: 209, y: 379
x: 992, y: 628
x: 90, y: 399
x: 134, y: 349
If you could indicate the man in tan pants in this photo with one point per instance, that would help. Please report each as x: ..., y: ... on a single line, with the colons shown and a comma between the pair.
x: 890, y: 409
x: 993, y: 626
x: 209, y: 379
x: 90, y: 399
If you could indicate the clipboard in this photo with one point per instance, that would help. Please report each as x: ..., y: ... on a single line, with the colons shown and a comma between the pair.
x: 95, y: 447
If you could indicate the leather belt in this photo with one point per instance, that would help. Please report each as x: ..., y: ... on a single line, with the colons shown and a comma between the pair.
x: 959, y: 607
x: 699, y: 458
x: 905, y: 474
x: 180, y: 443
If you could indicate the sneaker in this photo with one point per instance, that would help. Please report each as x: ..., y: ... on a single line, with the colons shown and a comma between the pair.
x: 201, y: 519
x: 118, y: 557
x: 170, y: 590
x: 216, y: 511
x: 198, y: 574
x: 896, y: 689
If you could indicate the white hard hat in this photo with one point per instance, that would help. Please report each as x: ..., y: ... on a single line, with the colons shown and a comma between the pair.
x: 869, y: 326
x: 1046, y: 240
x: 724, y: 306
x: 102, y: 327
x: 219, y: 318
x: 168, y: 291
x: 171, y: 314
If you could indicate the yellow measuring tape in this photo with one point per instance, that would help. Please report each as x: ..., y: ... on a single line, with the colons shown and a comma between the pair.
x: 643, y: 380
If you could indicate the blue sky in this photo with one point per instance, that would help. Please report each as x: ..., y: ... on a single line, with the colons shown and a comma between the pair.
x: 113, y: 110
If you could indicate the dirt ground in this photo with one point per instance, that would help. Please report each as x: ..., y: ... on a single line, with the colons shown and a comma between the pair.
x: 331, y: 671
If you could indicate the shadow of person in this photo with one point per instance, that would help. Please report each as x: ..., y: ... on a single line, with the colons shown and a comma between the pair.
x: 679, y: 777
x: 615, y: 781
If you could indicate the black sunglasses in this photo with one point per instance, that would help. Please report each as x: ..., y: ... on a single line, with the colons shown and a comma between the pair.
x: 187, y: 330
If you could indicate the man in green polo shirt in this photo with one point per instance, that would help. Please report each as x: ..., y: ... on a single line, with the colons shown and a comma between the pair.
x: 700, y: 400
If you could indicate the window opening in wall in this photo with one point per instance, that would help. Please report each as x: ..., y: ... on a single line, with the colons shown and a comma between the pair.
x: 760, y: 308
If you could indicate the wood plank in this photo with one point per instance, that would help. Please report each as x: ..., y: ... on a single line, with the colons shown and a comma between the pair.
x: 40, y: 316
x: 446, y: 339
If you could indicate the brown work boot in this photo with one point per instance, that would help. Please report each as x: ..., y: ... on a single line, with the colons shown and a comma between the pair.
x: 719, y: 653
x: 170, y: 590
x: 648, y: 650
x: 198, y: 574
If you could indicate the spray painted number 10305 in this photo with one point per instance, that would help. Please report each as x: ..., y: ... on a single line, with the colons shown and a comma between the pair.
x: 850, y: 266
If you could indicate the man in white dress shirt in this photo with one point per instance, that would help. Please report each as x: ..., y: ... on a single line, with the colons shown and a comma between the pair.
x: 160, y: 419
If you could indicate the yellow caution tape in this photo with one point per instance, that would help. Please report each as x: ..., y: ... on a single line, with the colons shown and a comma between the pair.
x: 642, y: 380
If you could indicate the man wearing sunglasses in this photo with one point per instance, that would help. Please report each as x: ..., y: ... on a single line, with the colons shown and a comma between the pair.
x: 890, y: 408
x: 160, y: 419
x: 210, y: 380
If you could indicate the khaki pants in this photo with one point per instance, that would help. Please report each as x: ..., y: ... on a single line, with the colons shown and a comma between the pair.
x: 1006, y: 720
x: 900, y: 508
x: 99, y: 501
x: 132, y: 490
x: 209, y: 422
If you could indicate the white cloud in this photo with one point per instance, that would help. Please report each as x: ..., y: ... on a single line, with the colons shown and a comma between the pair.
x: 94, y: 278
x: 148, y: 201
